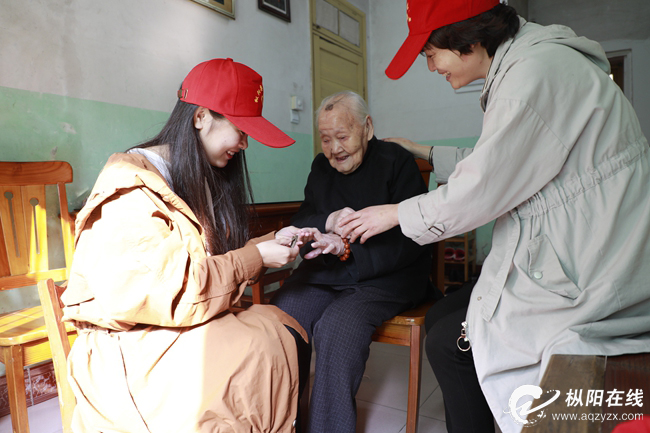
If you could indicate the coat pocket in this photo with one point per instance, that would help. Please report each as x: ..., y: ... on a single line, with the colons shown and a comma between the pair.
x: 545, y: 270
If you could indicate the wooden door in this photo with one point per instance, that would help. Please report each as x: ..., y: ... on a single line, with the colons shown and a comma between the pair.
x: 339, y: 56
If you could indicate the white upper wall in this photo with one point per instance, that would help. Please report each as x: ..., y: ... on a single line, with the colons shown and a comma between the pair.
x: 420, y: 105
x: 136, y: 53
x: 600, y: 20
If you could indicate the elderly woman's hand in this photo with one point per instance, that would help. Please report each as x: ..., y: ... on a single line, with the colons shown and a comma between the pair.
x: 326, y: 243
x: 334, y: 219
x: 370, y: 221
x: 290, y: 234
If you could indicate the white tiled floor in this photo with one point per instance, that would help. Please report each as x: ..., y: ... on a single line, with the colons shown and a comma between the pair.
x: 382, y: 397
x: 43, y: 418
x: 381, y: 400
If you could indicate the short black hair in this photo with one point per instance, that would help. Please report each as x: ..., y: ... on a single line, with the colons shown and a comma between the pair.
x: 490, y: 29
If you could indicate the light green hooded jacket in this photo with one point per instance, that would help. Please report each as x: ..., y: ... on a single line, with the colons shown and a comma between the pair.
x: 563, y: 167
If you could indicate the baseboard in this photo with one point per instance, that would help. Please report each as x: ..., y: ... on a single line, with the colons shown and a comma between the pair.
x: 40, y: 385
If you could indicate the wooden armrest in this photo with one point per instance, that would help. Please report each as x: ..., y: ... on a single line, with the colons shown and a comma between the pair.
x: 265, y: 279
x: 59, y: 291
x: 274, y: 276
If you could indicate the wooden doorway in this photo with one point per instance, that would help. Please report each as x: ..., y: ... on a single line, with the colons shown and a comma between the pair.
x: 338, y: 52
x: 621, y: 70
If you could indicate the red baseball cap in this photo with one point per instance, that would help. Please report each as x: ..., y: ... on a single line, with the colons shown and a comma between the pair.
x: 425, y: 16
x: 235, y: 91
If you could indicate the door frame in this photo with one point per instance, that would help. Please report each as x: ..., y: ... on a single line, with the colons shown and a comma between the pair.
x: 322, y: 33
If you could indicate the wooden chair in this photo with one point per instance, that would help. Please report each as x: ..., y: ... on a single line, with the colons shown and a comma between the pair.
x: 259, y: 294
x: 24, y: 261
x: 407, y: 329
x: 57, y: 333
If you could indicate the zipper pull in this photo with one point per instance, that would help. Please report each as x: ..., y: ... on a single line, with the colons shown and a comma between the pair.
x: 463, y: 338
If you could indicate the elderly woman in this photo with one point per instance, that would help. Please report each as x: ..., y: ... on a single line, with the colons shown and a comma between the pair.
x: 343, y: 293
x: 563, y: 167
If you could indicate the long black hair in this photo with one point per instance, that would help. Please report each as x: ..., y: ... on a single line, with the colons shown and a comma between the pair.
x: 190, y: 171
x: 490, y: 29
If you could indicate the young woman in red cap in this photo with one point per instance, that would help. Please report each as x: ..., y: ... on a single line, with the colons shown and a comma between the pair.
x: 162, y: 253
x: 564, y: 168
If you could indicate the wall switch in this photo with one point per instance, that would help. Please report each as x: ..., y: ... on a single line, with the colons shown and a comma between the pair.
x: 296, y: 103
x: 295, y: 116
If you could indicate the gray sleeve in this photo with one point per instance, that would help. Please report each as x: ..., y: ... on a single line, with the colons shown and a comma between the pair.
x: 516, y: 155
x: 445, y: 159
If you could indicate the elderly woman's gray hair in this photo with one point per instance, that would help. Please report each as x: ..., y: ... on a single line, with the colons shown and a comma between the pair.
x: 356, y: 103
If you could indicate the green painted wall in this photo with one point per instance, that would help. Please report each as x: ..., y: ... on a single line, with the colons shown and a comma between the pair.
x: 39, y: 126
x: 280, y: 174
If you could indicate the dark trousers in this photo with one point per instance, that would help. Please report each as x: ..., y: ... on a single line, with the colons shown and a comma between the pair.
x: 340, y: 322
x: 466, y: 409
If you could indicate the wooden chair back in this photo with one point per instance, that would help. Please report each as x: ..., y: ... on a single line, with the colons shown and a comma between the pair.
x: 50, y: 296
x: 25, y: 260
x: 425, y: 169
x: 23, y: 215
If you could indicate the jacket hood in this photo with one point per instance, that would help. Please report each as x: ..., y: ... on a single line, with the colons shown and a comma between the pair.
x: 531, y: 34
x: 123, y: 172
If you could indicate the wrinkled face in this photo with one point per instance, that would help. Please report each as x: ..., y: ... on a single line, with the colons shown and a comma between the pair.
x: 343, y: 139
x: 458, y: 69
x: 220, y: 138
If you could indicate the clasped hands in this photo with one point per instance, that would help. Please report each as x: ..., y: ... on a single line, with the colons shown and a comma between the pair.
x: 344, y: 223
x: 324, y: 243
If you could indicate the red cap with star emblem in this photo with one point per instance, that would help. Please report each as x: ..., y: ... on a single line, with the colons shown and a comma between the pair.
x: 235, y: 91
x: 425, y: 16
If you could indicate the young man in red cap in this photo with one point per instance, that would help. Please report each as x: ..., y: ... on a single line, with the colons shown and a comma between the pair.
x: 563, y: 167
x: 162, y: 253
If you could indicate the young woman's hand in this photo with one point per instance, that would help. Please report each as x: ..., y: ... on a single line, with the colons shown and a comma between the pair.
x: 333, y: 220
x: 326, y: 243
x: 275, y: 255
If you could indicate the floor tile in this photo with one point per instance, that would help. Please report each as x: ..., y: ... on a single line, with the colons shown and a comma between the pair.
x: 433, y: 406
x: 376, y: 347
x: 43, y: 418
x: 385, y: 381
x: 429, y: 425
x: 374, y: 418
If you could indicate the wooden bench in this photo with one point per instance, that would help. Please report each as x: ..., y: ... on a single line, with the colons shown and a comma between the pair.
x: 612, y: 374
